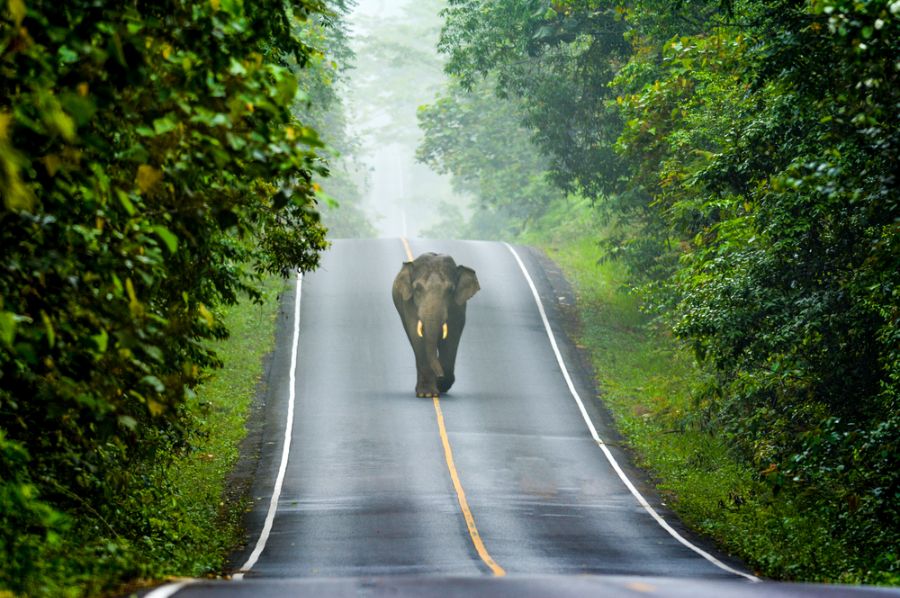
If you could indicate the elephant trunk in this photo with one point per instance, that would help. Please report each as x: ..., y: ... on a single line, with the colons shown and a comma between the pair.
x: 432, y: 321
x: 431, y: 350
x: 436, y: 366
x: 431, y: 333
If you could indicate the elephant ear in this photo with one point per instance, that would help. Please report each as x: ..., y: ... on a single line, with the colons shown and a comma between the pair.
x: 403, y: 282
x: 466, y: 284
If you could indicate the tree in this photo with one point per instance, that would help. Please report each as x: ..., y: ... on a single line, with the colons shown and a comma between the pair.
x: 321, y: 105
x: 150, y: 170
x: 559, y: 58
x: 480, y: 141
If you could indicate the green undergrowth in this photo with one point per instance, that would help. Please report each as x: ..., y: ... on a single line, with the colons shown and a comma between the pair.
x: 646, y: 379
x: 189, y: 507
x: 200, y: 478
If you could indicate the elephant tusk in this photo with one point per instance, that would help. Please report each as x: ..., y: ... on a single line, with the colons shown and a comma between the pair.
x: 419, y: 329
x: 445, y: 330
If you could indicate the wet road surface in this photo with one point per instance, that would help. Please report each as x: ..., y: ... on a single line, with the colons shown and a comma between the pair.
x: 365, y: 497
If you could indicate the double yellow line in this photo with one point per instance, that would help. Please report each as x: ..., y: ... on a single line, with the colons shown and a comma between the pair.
x: 496, y: 569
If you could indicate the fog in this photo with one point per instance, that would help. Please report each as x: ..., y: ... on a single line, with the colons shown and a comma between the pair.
x: 397, y: 69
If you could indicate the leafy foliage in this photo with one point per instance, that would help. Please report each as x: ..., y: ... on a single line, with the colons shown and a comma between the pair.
x: 151, y: 169
x: 560, y: 58
x: 747, y: 153
x: 322, y: 79
x: 790, y: 292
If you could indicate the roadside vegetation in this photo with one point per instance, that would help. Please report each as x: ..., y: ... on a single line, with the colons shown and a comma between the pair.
x: 719, y: 181
x: 160, y: 169
x: 649, y: 382
x: 203, y: 510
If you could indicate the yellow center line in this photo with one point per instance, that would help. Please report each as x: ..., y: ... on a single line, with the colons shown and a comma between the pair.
x: 496, y: 569
x: 461, y: 496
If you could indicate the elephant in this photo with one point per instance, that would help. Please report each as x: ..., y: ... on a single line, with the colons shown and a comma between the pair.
x: 430, y: 294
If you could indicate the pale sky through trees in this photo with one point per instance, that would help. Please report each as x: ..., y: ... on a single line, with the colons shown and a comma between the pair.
x: 397, y: 69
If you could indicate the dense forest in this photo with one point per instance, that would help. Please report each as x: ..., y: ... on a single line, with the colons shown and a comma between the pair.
x: 157, y: 161
x: 741, y: 160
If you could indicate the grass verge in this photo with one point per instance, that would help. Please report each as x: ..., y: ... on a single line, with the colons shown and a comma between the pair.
x: 222, y: 404
x: 206, y: 511
x: 646, y: 380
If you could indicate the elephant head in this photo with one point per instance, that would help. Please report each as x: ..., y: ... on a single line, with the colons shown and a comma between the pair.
x: 431, y: 294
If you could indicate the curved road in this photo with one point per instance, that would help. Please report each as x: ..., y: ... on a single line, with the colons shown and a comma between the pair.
x: 497, y: 488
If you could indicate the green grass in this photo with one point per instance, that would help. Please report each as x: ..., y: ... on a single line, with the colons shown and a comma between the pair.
x: 200, y: 478
x: 645, y: 379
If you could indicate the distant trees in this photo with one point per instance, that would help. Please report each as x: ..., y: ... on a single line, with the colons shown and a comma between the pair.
x: 481, y: 141
x: 150, y: 170
x: 323, y: 107
x: 750, y: 151
x: 560, y: 59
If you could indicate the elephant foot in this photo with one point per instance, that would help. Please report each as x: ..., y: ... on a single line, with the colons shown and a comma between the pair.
x: 427, y: 391
x: 445, y: 383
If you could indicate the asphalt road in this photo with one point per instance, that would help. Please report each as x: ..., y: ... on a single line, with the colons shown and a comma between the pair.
x: 496, y: 489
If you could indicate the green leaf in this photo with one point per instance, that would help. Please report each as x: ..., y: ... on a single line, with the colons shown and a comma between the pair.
x: 62, y: 123
x: 48, y: 327
x: 154, y: 382
x: 165, y: 124
x: 101, y: 340
x: 17, y: 11
x: 8, y: 322
x: 236, y: 68
x: 166, y: 236
x: 126, y: 202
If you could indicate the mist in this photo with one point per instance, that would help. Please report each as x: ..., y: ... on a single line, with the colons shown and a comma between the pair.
x: 397, y: 69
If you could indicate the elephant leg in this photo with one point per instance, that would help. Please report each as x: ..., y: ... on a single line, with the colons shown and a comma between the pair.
x: 448, y: 349
x: 448, y: 360
x: 427, y: 383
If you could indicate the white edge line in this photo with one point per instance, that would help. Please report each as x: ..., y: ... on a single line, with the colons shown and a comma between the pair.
x: 170, y: 589
x: 609, y: 456
x: 286, y: 445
